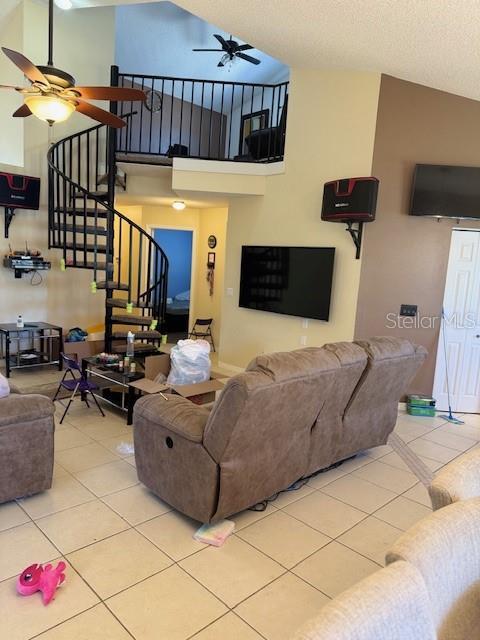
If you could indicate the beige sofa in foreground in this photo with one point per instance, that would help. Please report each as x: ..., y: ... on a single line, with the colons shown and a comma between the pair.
x: 430, y: 589
x: 288, y: 415
x: 460, y: 480
x: 26, y: 445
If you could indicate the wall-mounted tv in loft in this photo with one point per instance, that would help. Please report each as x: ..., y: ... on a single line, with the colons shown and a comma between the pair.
x: 295, y: 281
x: 444, y: 191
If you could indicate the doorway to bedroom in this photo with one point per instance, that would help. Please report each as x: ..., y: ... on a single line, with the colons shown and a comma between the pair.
x: 178, y: 246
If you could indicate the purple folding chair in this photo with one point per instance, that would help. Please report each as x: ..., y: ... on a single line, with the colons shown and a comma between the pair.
x: 81, y: 384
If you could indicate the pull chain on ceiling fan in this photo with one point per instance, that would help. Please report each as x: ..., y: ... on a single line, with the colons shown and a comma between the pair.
x: 231, y: 50
x: 53, y: 96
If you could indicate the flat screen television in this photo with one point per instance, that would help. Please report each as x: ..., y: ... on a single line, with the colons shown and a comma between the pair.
x: 446, y: 192
x: 295, y: 281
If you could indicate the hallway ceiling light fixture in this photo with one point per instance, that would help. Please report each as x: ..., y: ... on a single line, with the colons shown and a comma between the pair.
x: 53, y: 96
x: 179, y: 205
x: 64, y: 4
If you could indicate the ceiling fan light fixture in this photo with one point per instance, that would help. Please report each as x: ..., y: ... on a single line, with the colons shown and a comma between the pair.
x: 179, y: 205
x: 50, y: 109
x: 64, y: 4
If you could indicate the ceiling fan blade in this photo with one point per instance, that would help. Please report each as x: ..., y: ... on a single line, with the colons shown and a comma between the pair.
x: 207, y: 50
x: 100, y: 115
x: 22, y: 112
x: 115, y: 94
x: 245, y: 47
x: 24, y: 64
x: 221, y: 40
x: 248, y: 58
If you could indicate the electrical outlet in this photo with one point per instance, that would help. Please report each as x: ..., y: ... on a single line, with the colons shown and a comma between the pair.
x: 303, y: 340
x: 305, y: 323
x: 229, y: 291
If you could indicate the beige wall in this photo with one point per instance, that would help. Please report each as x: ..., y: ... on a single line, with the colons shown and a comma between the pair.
x: 330, y: 134
x: 84, y: 46
x: 404, y: 257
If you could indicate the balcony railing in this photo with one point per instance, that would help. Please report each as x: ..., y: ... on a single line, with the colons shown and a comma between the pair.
x: 205, y: 119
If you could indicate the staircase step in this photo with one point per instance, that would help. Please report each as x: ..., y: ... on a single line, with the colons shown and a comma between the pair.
x: 140, y: 347
x: 131, y: 319
x: 79, y: 228
x: 141, y: 335
x: 121, y: 303
x: 81, y: 212
x: 82, y: 247
x: 102, y: 195
x: 90, y: 264
x: 112, y: 284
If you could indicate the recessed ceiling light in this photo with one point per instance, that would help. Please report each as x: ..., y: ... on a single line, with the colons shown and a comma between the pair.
x: 64, y: 4
x: 179, y: 205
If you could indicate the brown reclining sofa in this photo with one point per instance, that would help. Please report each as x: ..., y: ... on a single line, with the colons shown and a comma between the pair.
x: 287, y: 416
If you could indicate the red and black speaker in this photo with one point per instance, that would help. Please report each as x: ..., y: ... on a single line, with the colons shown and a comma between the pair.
x: 19, y: 192
x: 350, y: 200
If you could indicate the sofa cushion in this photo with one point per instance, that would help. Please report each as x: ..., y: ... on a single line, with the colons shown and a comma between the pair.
x: 293, y: 364
x: 174, y: 413
x: 18, y: 408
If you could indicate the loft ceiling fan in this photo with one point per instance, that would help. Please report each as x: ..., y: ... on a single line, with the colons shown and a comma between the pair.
x: 232, y: 49
x: 53, y: 96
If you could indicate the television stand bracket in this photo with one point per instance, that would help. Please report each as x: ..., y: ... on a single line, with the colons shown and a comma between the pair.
x: 356, y: 234
x: 9, y: 213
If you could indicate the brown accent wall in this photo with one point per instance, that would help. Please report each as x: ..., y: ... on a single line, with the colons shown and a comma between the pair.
x: 404, y: 258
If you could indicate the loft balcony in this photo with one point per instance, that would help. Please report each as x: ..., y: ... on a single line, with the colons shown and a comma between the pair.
x: 199, y: 119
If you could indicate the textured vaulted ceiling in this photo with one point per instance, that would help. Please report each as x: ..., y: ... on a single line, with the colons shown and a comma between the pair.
x: 433, y: 42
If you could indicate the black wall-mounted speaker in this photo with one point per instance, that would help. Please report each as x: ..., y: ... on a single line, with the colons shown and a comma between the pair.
x: 19, y: 192
x: 350, y: 200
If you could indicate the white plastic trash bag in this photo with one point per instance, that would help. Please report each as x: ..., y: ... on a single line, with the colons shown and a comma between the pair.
x: 189, y: 362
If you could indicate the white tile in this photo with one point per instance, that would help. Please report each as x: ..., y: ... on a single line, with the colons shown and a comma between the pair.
x: 321, y: 479
x: 409, y: 430
x: 394, y: 460
x: 326, y: 514
x: 281, y: 608
x: 433, y: 450
x: 451, y: 440
x: 169, y: 605
x: 108, y: 478
x: 232, y: 572
x: 371, y: 538
x: 386, y: 476
x: 131, y: 460
x: 121, y: 446
x: 95, y: 624
x: 359, y: 493
x: 112, y: 565
x: 287, y: 497
x: 283, y: 538
x: 248, y: 517
x: 25, y: 617
x: 136, y: 504
x: 419, y: 494
x: 86, y: 457
x: 22, y: 546
x: 79, y: 526
x: 335, y: 568
x: 99, y: 428
x: 173, y: 534
x: 66, y: 492
x: 402, y: 513
x: 69, y: 438
x: 11, y: 515
x: 228, y: 626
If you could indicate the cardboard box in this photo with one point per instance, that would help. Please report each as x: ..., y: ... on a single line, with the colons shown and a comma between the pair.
x: 83, y: 349
x: 199, y: 393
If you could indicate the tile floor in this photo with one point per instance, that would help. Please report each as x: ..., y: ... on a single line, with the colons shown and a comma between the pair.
x: 135, y: 571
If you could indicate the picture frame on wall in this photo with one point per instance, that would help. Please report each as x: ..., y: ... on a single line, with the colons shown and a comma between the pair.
x: 251, y: 122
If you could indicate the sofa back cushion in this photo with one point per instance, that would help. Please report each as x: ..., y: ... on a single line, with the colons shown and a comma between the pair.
x: 390, y: 604
x: 259, y: 430
x: 445, y: 548
x: 459, y: 481
x: 371, y: 413
x: 327, y: 431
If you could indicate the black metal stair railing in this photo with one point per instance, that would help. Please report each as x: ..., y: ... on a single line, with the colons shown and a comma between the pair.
x: 203, y: 119
x: 125, y: 260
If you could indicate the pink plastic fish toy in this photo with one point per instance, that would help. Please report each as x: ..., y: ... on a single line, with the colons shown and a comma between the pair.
x: 45, y: 579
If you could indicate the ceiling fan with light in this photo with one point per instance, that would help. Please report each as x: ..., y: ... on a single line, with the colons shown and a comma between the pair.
x: 53, y: 96
x: 231, y: 49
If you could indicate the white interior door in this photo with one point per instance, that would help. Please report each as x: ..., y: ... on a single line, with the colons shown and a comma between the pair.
x: 461, y: 326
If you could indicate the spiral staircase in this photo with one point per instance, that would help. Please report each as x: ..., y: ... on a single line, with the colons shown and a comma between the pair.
x: 125, y: 261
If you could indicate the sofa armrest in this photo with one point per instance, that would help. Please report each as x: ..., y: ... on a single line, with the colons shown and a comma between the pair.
x: 178, y: 415
x: 22, y: 408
